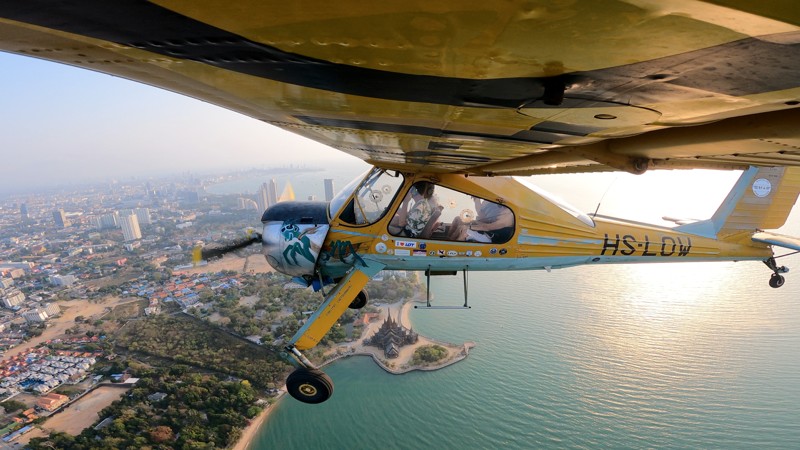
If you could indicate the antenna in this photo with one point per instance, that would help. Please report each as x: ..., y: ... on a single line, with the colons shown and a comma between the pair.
x: 604, y: 195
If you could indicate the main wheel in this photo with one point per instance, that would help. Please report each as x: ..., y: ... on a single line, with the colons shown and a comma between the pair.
x: 776, y: 280
x: 309, y: 386
x: 360, y: 301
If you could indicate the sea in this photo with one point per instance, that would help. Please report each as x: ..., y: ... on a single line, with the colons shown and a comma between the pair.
x: 682, y: 355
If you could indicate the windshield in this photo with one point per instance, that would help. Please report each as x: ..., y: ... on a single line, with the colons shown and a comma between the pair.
x: 338, y: 200
x: 372, y: 197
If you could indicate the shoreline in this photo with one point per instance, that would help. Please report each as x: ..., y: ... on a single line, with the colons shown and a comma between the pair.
x: 249, y: 432
x: 456, y: 353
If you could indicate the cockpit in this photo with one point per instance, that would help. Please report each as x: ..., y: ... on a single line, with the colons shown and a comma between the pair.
x: 427, y: 210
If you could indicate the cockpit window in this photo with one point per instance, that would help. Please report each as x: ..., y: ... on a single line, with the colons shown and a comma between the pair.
x: 372, y: 198
x: 431, y: 211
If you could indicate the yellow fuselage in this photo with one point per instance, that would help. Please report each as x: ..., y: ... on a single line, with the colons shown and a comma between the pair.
x: 547, y: 235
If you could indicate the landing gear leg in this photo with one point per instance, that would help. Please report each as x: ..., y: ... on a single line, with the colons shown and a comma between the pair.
x: 776, y: 280
x: 307, y: 383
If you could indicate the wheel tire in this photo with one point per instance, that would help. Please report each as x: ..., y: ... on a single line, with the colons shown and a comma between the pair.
x: 776, y: 280
x: 309, y: 386
x: 360, y: 301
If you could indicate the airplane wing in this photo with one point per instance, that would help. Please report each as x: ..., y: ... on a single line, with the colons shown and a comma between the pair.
x: 462, y: 86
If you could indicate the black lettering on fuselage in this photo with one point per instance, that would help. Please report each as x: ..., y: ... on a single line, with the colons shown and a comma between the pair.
x: 628, y: 245
x: 646, y: 251
x: 684, y: 250
x: 628, y: 241
x: 667, y: 243
x: 608, y: 244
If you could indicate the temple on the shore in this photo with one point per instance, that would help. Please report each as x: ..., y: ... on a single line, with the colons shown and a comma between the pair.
x: 391, y: 336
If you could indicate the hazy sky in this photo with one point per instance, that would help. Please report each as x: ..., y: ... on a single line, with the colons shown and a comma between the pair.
x: 63, y: 124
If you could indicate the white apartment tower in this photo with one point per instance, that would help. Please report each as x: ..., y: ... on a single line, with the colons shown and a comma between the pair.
x: 130, y: 227
x: 272, y: 192
x: 329, y: 190
x: 35, y: 315
x: 51, y: 309
x: 12, y: 298
x: 262, y: 197
x: 143, y: 215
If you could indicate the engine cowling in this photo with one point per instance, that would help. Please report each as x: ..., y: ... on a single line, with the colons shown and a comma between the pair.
x: 293, y: 236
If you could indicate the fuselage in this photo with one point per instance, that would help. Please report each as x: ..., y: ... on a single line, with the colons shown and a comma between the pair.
x: 545, y: 233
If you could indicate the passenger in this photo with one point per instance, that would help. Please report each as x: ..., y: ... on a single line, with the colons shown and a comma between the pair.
x: 411, y: 222
x: 494, y: 223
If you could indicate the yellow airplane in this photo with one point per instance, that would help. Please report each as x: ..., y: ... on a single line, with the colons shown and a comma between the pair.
x: 449, y: 99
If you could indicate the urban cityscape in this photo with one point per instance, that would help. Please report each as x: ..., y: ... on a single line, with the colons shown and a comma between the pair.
x: 79, y: 267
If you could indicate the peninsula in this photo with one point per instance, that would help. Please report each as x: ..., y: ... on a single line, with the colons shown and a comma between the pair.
x: 403, y: 362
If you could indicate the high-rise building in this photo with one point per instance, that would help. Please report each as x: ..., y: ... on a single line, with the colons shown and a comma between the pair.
x: 272, y: 192
x: 51, y: 309
x: 329, y: 190
x: 262, y: 197
x: 23, y: 211
x: 62, y: 280
x: 267, y: 195
x: 130, y: 227
x: 60, y: 218
x: 35, y: 315
x: 106, y: 221
x: 12, y: 297
x: 143, y: 215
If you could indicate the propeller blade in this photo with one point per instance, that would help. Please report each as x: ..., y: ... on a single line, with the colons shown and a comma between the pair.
x: 204, y: 254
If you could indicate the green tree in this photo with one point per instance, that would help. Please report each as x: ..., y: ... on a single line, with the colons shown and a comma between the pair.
x: 428, y: 354
x: 13, y: 405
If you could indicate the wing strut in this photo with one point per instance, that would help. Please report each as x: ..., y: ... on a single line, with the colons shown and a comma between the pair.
x: 428, y: 274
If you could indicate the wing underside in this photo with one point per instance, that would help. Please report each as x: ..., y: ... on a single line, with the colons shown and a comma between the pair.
x: 468, y: 86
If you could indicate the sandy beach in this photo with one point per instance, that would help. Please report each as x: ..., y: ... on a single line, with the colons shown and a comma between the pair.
x: 252, y: 429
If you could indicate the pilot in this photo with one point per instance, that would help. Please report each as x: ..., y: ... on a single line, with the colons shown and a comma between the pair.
x: 411, y: 222
x: 494, y: 223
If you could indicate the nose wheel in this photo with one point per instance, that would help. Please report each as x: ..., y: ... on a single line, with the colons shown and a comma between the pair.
x: 776, y: 280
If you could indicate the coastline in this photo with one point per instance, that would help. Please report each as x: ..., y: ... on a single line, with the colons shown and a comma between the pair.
x: 402, y: 364
x: 399, y: 310
x: 249, y: 432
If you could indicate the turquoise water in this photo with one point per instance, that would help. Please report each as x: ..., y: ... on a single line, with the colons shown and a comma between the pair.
x: 669, y: 356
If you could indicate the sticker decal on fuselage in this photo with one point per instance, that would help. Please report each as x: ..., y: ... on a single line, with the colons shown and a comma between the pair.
x: 405, y: 244
x: 762, y: 187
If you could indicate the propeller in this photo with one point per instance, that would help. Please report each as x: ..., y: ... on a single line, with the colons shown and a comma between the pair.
x: 203, y: 254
